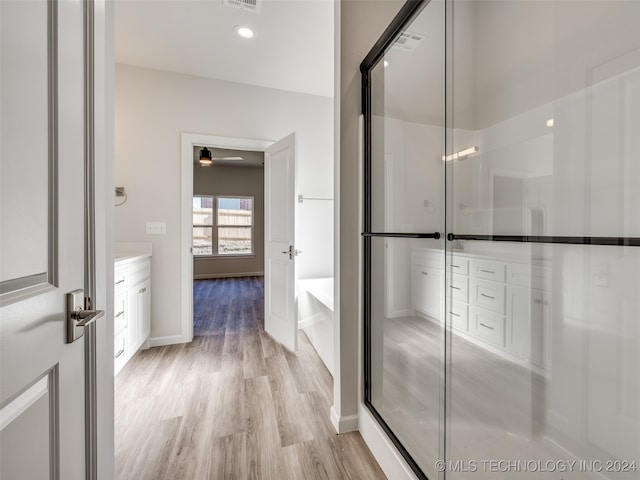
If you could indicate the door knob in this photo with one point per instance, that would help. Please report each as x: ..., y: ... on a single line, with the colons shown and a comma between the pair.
x: 77, y: 316
x: 291, y: 252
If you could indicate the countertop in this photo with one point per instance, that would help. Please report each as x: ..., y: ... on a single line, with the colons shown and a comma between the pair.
x: 130, y: 252
x: 125, y: 258
x: 522, y: 256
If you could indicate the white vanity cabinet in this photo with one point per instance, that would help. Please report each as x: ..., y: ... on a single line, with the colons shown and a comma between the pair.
x: 426, y: 282
x: 132, y: 309
x: 501, y: 305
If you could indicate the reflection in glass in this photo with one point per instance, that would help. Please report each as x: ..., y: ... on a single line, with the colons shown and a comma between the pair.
x: 520, y: 358
x: 545, y: 368
x: 406, y: 321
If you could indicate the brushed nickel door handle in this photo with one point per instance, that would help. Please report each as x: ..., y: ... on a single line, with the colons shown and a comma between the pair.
x: 77, y: 316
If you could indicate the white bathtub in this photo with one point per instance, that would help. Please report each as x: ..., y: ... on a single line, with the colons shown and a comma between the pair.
x: 315, y: 315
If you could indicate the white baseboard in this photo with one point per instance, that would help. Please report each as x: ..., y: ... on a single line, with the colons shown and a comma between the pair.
x: 345, y: 424
x: 169, y: 340
x: 206, y: 276
x: 385, y: 453
x: 310, y: 321
x: 399, y: 313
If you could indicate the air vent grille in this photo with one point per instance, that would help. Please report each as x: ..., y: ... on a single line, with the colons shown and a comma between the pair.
x: 408, y: 41
x: 247, y: 5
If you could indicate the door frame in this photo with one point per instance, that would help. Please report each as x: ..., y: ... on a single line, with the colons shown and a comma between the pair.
x: 187, y: 142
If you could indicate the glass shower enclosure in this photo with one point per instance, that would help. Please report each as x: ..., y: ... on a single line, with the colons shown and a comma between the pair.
x: 501, y: 238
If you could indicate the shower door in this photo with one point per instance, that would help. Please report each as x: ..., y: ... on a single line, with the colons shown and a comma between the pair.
x: 502, y: 238
x: 404, y: 250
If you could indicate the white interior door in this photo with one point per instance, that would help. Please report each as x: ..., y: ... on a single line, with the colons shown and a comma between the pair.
x: 280, y: 316
x: 42, y: 377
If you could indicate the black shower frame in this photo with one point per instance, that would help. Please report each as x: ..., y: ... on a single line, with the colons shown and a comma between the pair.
x: 407, y: 13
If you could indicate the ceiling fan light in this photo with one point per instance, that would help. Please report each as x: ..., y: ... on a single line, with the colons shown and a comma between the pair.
x: 205, y: 157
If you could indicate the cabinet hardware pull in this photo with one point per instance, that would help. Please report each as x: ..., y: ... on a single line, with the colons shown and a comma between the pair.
x: 119, y: 314
x: 456, y: 288
x: 487, y: 271
x: 454, y: 314
x: 487, y: 326
x: 119, y: 353
x: 425, y: 273
x: 487, y: 296
x: 120, y: 281
x: 455, y: 266
x: 537, y: 300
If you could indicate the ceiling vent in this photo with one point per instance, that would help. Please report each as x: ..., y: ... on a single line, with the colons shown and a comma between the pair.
x: 246, y: 5
x: 408, y: 41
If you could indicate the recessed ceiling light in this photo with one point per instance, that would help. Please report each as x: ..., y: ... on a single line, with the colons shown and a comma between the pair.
x: 244, y: 32
x: 385, y: 64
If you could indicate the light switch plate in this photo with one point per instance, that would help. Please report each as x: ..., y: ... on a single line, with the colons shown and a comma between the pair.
x: 156, y: 228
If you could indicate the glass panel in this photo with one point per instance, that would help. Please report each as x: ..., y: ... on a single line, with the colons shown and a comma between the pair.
x: 407, y: 128
x: 407, y: 276
x: 235, y: 211
x: 234, y: 240
x: 202, y: 241
x: 545, y: 110
x: 203, y: 210
x: 407, y: 341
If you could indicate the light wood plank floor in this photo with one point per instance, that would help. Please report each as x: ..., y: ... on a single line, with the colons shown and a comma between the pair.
x: 233, y: 404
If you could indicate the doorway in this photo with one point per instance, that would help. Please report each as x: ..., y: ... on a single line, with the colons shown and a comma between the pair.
x: 191, y: 169
x: 226, y: 221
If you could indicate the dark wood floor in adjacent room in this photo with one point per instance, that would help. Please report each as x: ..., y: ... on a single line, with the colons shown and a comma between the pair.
x: 233, y: 404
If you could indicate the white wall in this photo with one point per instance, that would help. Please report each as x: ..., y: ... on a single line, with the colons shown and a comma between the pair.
x: 361, y: 23
x: 152, y: 109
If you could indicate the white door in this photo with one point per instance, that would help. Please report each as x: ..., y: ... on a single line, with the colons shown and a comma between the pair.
x: 43, y: 431
x: 280, y: 312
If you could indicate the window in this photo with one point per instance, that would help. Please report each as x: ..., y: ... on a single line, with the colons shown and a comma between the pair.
x: 202, y: 225
x: 232, y: 231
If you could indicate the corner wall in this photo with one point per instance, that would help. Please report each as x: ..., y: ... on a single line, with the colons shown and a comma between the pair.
x: 362, y: 23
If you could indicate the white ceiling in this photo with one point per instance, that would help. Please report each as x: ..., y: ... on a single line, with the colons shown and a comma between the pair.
x: 292, y: 50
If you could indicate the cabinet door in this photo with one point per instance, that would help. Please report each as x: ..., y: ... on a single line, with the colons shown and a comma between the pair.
x: 520, y: 311
x: 528, y: 325
x: 418, y: 298
x: 140, y: 315
x: 426, y: 290
x: 132, y: 323
x: 143, y: 313
x: 544, y: 326
x: 434, y: 292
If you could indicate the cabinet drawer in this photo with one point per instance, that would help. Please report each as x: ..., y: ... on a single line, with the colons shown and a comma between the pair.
x: 488, y: 295
x: 139, y: 272
x: 120, y: 313
x: 488, y: 326
x: 459, y: 265
x: 488, y: 270
x: 460, y: 288
x: 120, y: 280
x: 459, y: 315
